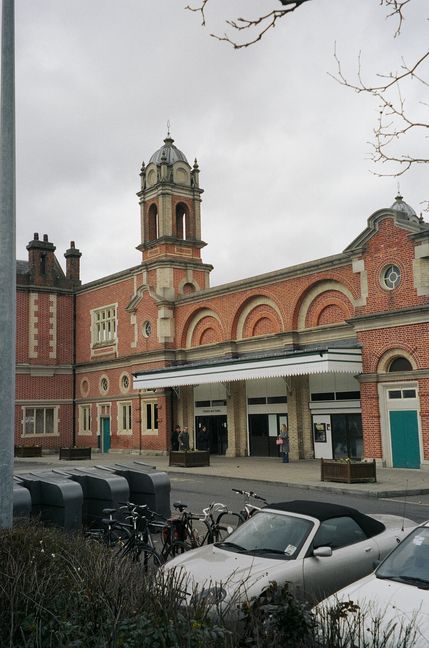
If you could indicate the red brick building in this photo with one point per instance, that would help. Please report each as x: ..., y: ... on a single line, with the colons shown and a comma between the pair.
x: 336, y: 347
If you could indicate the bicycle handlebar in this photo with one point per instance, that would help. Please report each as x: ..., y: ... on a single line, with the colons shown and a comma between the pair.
x: 249, y: 494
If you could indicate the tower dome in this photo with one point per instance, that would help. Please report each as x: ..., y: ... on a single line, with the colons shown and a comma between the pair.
x: 404, y: 209
x: 168, y: 153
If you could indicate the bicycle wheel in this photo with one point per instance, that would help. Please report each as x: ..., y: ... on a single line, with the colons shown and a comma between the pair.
x: 148, y: 558
x: 198, y: 532
x: 226, y: 523
x: 176, y: 549
x: 96, y: 535
x: 117, y: 534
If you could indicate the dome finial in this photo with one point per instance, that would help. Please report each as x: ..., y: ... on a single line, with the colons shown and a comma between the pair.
x: 398, y: 196
x: 168, y: 128
x: 400, y: 206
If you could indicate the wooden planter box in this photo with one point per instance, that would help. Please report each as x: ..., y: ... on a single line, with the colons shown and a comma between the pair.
x: 28, y: 451
x: 189, y: 459
x: 348, y: 472
x: 75, y: 453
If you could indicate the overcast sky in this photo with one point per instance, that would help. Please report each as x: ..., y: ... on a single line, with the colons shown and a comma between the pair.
x: 283, y: 149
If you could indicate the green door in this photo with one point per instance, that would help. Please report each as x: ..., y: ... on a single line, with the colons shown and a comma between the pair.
x: 405, y: 439
x: 105, y: 434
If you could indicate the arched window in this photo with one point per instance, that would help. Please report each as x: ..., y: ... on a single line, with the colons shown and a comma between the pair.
x: 400, y: 364
x: 153, y: 223
x: 183, y: 229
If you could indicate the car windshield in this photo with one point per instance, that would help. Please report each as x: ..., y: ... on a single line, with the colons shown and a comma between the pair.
x: 270, y: 534
x: 409, y: 562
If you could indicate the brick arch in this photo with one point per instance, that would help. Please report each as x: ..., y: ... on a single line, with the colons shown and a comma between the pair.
x: 317, y: 298
x: 259, y: 315
x: 203, y: 327
x: 382, y: 361
x: 331, y: 307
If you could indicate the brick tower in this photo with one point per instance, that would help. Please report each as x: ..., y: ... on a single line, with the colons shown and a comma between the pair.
x: 170, y: 200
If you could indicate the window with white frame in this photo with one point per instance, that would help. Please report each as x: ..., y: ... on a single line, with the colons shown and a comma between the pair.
x: 150, y: 417
x: 104, y: 325
x: 125, y: 418
x: 40, y: 421
x: 84, y: 419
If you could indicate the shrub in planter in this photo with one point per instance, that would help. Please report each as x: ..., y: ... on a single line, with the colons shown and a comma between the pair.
x: 75, y: 452
x: 28, y: 451
x: 347, y: 471
x: 189, y: 458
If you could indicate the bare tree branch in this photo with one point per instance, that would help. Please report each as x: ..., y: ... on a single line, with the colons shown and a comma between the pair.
x: 397, y: 10
x: 262, y: 23
x: 395, y: 125
x: 394, y: 122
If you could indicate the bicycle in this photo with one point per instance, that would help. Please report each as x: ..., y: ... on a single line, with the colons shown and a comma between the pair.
x: 189, y: 531
x: 113, y: 532
x: 249, y: 509
x: 140, y: 545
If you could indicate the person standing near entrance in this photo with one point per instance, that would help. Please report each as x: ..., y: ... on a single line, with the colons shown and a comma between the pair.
x: 203, y: 438
x: 184, y: 439
x: 175, y: 438
x: 283, y: 437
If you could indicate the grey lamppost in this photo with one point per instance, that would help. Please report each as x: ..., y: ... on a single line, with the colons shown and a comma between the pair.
x: 7, y: 264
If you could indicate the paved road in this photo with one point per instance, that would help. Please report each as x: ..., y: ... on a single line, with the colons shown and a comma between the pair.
x: 198, y: 491
x: 399, y: 492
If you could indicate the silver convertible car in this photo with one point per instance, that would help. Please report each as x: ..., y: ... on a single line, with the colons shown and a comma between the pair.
x: 396, y: 595
x: 316, y: 547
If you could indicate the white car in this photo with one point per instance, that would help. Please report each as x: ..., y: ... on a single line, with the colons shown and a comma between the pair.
x: 316, y: 547
x: 396, y: 595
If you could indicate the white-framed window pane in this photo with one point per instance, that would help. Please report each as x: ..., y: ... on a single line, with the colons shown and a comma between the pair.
x: 125, y: 417
x: 150, y: 418
x: 29, y: 421
x: 84, y: 419
x: 49, y: 421
x: 104, y: 324
x: 39, y: 421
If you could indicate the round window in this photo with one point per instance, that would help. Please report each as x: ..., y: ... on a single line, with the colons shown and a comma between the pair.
x: 104, y: 384
x: 391, y: 277
x: 125, y: 383
x: 147, y: 329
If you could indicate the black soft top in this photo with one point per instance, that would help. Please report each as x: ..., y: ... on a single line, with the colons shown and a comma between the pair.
x: 325, y: 511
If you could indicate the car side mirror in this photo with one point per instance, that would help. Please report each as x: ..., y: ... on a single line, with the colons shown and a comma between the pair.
x: 322, y: 552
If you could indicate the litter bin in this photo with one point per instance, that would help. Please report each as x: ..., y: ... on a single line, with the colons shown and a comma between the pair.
x: 21, y: 501
x: 100, y: 489
x: 147, y: 485
x: 55, y: 499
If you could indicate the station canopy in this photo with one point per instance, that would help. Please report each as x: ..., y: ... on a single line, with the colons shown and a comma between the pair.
x: 291, y: 363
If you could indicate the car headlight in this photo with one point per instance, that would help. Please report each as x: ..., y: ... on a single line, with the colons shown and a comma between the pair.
x: 212, y: 595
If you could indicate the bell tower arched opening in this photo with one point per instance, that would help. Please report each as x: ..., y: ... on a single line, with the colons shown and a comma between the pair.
x: 183, y: 222
x: 153, y: 223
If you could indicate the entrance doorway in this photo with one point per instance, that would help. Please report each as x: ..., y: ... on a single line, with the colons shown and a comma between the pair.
x: 347, y: 437
x: 105, y: 433
x: 263, y: 431
x: 216, y: 438
x: 405, y: 439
